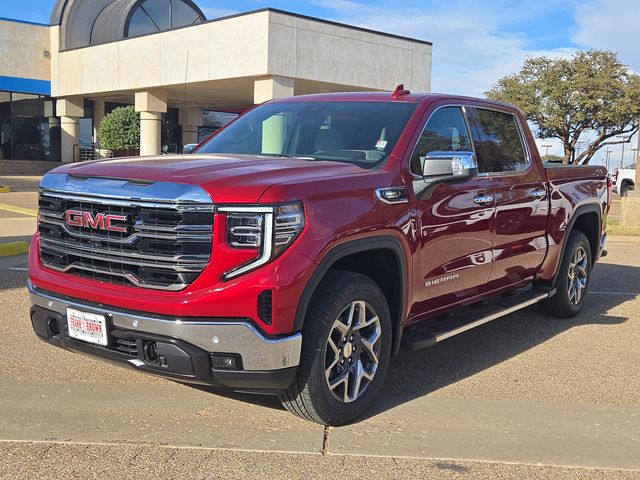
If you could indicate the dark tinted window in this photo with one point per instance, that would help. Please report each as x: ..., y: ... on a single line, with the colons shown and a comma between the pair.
x: 362, y: 133
x: 498, y: 141
x: 445, y: 131
x: 153, y: 16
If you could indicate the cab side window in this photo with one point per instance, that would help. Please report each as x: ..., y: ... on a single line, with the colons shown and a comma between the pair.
x: 497, y: 141
x: 445, y: 131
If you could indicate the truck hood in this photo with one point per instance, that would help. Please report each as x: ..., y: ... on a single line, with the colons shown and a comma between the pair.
x: 227, y: 178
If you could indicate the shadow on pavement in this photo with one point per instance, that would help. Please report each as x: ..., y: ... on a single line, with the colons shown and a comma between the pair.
x: 414, y: 374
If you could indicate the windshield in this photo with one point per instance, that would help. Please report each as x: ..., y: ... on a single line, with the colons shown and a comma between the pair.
x: 362, y: 133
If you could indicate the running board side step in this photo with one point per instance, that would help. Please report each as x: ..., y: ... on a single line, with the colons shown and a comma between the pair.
x: 418, y: 337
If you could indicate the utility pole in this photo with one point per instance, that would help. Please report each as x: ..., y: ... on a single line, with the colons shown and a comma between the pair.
x: 624, y: 140
x: 546, y: 147
x: 608, y: 158
x: 634, y: 156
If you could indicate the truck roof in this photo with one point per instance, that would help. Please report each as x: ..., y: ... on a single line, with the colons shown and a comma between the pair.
x: 411, y: 97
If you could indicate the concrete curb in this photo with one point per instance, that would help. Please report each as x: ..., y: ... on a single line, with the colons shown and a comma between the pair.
x: 4, y: 189
x: 13, y: 248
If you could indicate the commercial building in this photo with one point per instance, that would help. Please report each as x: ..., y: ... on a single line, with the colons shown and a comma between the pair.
x: 186, y: 75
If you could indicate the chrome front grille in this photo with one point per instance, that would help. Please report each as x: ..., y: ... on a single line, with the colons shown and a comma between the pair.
x: 158, y: 243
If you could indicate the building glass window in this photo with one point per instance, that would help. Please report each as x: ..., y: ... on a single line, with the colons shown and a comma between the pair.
x: 152, y: 16
x: 27, y: 128
x: 5, y: 125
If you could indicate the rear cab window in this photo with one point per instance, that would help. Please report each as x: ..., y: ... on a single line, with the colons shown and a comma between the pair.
x: 498, y: 141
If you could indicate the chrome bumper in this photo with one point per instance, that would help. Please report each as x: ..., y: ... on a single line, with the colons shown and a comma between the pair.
x: 257, y: 351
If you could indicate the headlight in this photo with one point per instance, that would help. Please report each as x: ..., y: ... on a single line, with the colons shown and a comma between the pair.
x: 245, y: 230
x: 269, y: 229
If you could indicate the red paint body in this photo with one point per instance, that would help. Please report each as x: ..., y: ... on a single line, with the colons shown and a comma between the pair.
x: 486, y: 249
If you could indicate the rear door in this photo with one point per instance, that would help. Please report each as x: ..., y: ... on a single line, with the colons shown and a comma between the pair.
x: 519, y: 186
x: 454, y: 223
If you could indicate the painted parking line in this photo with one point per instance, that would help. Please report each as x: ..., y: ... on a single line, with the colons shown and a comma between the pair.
x: 9, y: 249
x: 13, y: 209
x: 628, y: 294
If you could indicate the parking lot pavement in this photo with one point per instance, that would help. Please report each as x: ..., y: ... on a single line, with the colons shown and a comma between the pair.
x: 17, y: 218
x: 525, y: 396
x: 20, y: 183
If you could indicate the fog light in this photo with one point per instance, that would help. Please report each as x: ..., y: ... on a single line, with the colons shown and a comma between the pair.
x: 225, y: 362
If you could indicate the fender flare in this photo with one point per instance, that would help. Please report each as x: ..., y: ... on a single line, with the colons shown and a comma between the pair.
x: 382, y: 242
x: 582, y: 209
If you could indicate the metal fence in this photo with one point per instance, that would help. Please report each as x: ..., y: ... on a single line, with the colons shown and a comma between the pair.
x: 89, y: 151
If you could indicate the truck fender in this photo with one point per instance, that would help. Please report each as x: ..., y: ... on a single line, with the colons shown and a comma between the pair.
x: 383, y: 242
x: 582, y: 209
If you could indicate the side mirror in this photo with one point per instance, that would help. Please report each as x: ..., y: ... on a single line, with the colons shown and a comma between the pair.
x: 449, y: 166
x: 189, y: 147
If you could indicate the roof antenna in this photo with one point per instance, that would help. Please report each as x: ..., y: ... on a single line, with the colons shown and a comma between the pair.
x: 399, y: 92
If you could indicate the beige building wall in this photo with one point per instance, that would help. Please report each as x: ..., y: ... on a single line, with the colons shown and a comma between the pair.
x: 24, y: 50
x: 261, y: 44
x: 231, y: 48
x: 314, y: 50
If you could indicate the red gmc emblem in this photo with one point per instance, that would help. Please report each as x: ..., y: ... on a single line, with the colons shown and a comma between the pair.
x: 99, y: 221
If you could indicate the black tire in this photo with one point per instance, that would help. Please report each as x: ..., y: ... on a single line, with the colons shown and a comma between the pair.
x: 309, y: 396
x: 563, y: 304
x: 624, y: 190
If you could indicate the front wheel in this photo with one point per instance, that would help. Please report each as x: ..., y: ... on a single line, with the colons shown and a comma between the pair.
x: 346, y: 347
x: 573, y: 278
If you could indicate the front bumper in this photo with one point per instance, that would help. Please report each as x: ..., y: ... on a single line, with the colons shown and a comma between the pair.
x: 188, y: 348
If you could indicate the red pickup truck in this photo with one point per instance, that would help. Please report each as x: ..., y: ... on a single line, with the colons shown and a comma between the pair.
x: 309, y: 240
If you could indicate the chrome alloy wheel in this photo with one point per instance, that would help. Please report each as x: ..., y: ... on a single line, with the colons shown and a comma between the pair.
x: 577, y: 276
x: 352, y: 351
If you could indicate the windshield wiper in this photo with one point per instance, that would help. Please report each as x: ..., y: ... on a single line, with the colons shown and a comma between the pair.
x: 300, y: 157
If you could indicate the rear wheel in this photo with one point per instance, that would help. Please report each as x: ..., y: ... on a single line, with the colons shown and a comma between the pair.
x: 345, y: 351
x: 573, y: 278
x: 624, y: 190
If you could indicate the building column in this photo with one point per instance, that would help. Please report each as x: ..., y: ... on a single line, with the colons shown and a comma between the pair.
x: 151, y: 104
x: 70, y: 111
x: 190, y: 118
x: 268, y: 88
x: 98, y: 115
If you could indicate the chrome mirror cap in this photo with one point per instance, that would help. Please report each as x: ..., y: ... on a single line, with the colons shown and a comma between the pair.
x: 450, y: 164
x: 189, y: 148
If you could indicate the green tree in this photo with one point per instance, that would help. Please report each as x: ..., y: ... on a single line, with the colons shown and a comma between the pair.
x: 591, y: 94
x: 120, y: 129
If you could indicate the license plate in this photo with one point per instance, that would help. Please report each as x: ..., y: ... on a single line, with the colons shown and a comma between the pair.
x: 88, y: 327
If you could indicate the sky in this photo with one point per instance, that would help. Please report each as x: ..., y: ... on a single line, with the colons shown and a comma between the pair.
x: 474, y: 42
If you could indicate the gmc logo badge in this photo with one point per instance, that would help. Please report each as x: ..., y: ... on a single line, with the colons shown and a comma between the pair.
x: 99, y: 221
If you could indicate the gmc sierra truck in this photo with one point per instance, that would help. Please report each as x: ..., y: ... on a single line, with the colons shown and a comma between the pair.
x: 303, y: 245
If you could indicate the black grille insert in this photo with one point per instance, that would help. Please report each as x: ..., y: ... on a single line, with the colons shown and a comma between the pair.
x: 160, y: 246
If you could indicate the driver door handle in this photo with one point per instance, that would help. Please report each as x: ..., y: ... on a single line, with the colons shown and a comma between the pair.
x: 483, y: 199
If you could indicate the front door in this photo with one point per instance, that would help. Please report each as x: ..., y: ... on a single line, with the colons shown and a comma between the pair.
x: 454, y: 221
